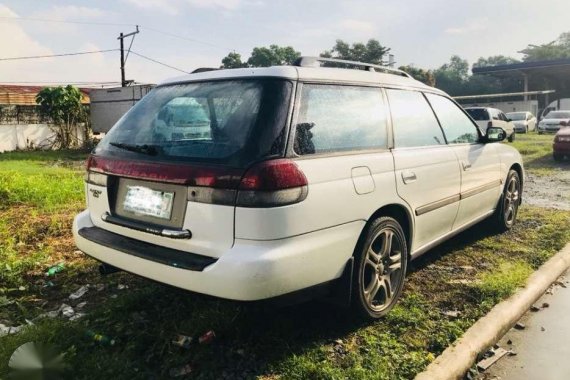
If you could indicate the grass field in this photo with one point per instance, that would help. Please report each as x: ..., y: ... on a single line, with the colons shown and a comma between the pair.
x: 537, y: 154
x: 40, y: 193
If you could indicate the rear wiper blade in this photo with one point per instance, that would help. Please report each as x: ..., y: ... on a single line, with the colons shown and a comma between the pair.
x: 151, y: 150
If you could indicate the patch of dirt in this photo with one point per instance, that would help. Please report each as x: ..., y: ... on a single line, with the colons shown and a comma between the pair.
x: 551, y: 191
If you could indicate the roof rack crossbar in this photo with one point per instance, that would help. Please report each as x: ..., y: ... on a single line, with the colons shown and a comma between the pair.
x: 313, y: 61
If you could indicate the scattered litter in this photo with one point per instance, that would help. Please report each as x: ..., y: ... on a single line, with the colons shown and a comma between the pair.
x: 67, y: 311
x: 183, y: 341
x: 460, y: 281
x: 560, y: 283
x: 100, y: 338
x: 55, y: 269
x: 48, y: 284
x: 5, y: 330
x: 77, y: 316
x: 542, y: 328
x: 494, y: 356
x: 79, y: 293
x: 22, y: 288
x: 99, y: 287
x: 81, y: 305
x: 467, y: 267
x: 180, y: 371
x: 520, y: 326
x: 534, y: 308
x: 545, y: 305
x: 122, y: 287
x: 452, y: 313
x: 208, y: 337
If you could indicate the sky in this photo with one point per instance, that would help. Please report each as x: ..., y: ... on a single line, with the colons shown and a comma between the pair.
x: 187, y: 34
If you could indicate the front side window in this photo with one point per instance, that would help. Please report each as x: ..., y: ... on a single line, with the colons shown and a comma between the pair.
x: 456, y: 125
x: 230, y: 122
x: 413, y: 120
x: 340, y: 118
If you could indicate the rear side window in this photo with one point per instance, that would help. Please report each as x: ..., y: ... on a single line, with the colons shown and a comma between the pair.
x: 478, y: 114
x: 340, y: 118
x: 456, y: 125
x: 413, y: 120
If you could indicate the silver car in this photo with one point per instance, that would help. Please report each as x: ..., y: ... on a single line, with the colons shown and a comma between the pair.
x: 553, y: 121
x: 524, y: 121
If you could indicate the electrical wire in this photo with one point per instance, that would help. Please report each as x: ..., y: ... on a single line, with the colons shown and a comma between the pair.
x: 160, y: 63
x: 57, y: 55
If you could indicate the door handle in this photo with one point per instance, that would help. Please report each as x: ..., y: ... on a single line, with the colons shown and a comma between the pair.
x: 466, y: 165
x: 408, y: 176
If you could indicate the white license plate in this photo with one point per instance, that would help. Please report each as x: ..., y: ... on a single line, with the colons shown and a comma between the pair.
x: 144, y: 201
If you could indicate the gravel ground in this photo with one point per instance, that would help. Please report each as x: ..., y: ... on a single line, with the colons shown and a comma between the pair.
x: 548, y: 191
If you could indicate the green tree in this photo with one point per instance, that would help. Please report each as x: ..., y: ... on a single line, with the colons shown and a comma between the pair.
x: 453, y: 76
x: 273, y: 55
x: 425, y: 76
x: 495, y: 60
x: 63, y: 106
x: 371, y: 52
x: 560, y: 48
x: 233, y: 61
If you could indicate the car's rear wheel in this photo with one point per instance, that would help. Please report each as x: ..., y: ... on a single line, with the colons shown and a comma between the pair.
x: 507, y: 209
x: 382, y: 259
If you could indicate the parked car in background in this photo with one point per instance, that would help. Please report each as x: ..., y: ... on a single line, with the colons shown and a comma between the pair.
x: 553, y: 121
x: 310, y: 178
x: 561, y: 146
x: 486, y: 117
x: 524, y: 121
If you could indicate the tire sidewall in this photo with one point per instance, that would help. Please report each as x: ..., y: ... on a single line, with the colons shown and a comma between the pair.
x: 501, y: 215
x: 360, y: 254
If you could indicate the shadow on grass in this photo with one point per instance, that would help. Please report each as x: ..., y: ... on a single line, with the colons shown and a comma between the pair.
x: 546, y: 162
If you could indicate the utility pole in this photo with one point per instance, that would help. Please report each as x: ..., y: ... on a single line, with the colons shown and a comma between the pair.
x: 123, y: 58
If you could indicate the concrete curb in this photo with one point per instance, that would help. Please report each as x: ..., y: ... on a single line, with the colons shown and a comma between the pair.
x: 456, y: 360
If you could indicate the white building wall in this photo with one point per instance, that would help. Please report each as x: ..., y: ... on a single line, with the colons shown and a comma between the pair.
x: 22, y: 136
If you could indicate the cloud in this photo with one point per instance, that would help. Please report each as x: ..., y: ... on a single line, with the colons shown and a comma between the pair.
x: 71, y: 12
x: 165, y: 6
x: 19, y: 43
x: 358, y: 26
x: 222, y: 4
x: 470, y: 27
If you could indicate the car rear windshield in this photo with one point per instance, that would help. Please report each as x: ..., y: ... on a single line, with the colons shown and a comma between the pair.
x: 478, y: 114
x: 559, y: 115
x: 515, y: 116
x: 230, y: 122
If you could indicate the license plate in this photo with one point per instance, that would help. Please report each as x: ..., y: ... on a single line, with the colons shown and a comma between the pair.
x: 144, y: 201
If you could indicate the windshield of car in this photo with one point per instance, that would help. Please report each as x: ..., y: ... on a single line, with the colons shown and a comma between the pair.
x: 559, y: 115
x: 515, y: 116
x: 478, y: 114
x: 228, y: 122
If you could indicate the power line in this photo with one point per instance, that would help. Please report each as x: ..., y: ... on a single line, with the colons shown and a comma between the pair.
x: 57, y: 55
x: 185, y: 38
x: 160, y: 63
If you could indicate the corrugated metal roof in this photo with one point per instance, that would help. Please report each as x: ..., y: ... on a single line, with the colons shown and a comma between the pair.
x: 26, y: 95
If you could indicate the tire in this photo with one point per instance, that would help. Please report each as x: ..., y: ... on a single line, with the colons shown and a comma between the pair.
x: 381, y: 259
x: 512, y: 137
x: 507, y: 209
x: 557, y: 157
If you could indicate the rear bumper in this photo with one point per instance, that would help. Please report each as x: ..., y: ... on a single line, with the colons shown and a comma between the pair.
x: 251, y: 270
x: 561, y: 148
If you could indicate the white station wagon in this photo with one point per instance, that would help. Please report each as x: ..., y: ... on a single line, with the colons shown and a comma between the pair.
x: 310, y: 179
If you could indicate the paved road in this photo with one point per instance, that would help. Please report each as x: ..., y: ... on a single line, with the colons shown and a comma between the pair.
x: 543, y: 347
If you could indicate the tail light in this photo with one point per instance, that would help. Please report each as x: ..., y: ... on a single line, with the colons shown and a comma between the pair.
x: 272, y: 183
x: 265, y: 184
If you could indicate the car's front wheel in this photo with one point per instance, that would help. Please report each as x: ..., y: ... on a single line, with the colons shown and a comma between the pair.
x: 507, y: 209
x: 512, y: 137
x: 557, y: 157
x: 382, y: 259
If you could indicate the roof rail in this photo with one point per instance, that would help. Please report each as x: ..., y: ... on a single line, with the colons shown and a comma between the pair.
x: 203, y: 69
x: 315, y: 61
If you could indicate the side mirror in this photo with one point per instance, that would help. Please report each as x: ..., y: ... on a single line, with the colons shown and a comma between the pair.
x: 495, y: 134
